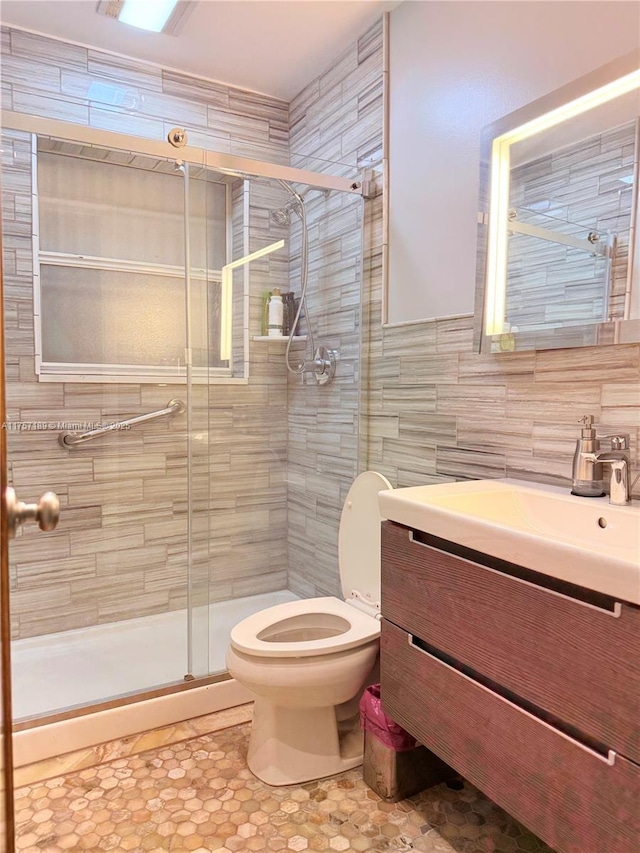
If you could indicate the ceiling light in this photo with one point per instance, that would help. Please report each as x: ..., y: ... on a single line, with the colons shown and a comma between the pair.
x: 166, y: 16
x: 147, y: 14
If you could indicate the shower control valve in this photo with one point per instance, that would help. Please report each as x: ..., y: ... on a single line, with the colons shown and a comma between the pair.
x: 325, y: 361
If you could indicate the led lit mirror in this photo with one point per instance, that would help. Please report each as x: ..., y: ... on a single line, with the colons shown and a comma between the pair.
x: 558, y: 260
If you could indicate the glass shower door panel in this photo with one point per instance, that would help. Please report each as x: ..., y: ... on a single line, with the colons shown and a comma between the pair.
x: 205, y: 231
x: 248, y: 423
x: 100, y: 608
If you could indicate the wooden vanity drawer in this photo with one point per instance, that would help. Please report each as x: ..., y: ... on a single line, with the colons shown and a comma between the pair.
x: 578, y: 662
x: 564, y: 792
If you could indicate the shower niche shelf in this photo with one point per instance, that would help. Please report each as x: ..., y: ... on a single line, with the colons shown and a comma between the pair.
x: 280, y: 338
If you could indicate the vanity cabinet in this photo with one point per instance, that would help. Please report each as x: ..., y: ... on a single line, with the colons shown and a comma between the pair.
x: 528, y: 687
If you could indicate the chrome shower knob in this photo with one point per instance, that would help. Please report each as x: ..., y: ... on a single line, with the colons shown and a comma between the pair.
x: 324, y: 363
x: 46, y: 512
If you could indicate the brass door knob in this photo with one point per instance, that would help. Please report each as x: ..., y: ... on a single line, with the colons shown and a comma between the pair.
x: 46, y: 512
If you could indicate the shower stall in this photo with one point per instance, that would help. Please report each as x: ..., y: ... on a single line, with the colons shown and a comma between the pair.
x: 140, y: 389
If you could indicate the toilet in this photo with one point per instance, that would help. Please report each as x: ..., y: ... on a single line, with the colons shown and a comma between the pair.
x: 308, y: 661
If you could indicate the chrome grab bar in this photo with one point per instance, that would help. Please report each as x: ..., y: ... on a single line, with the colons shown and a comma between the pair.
x: 70, y: 439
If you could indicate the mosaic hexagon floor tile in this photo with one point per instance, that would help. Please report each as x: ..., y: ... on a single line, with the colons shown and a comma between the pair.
x: 200, y: 796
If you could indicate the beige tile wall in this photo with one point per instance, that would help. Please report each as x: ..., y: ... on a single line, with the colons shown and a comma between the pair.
x: 337, y: 117
x: 121, y: 547
x: 54, y: 79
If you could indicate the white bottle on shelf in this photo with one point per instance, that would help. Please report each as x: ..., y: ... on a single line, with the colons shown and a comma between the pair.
x: 276, y: 314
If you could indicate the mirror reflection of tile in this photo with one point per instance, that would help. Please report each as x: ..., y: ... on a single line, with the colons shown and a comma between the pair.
x: 578, y: 190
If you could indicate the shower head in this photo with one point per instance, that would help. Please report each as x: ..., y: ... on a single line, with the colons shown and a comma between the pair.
x: 282, y: 216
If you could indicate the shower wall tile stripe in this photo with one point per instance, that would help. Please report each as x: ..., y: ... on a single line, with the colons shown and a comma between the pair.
x: 337, y: 116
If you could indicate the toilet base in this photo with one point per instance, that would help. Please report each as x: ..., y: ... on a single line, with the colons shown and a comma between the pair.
x: 289, y: 746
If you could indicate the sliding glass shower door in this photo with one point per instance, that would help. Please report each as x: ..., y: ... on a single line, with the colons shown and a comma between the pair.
x: 199, y: 476
x: 110, y: 290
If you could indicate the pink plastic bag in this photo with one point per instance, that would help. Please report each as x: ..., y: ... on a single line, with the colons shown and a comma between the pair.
x: 374, y: 720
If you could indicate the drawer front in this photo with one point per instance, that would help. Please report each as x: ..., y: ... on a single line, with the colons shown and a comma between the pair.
x: 568, y: 795
x: 575, y: 661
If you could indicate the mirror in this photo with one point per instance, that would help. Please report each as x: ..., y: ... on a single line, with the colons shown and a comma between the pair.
x: 558, y: 244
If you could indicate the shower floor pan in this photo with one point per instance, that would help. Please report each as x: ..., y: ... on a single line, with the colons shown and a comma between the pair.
x: 57, y: 672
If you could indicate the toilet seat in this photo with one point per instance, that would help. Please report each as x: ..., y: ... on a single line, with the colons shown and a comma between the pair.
x: 362, y: 629
x: 340, y: 625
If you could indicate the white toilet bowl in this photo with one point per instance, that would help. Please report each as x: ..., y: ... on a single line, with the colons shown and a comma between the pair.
x: 308, y: 661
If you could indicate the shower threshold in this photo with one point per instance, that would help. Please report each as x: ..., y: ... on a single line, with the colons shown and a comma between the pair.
x: 83, y: 666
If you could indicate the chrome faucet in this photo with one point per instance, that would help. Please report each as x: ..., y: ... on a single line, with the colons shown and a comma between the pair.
x: 620, y: 482
x: 588, y: 461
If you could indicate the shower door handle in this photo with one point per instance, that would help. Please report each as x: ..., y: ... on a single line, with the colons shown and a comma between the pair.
x: 46, y: 512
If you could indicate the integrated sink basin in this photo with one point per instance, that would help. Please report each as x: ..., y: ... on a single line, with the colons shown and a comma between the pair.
x: 585, y: 541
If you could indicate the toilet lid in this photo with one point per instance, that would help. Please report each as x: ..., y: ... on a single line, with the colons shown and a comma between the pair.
x: 359, y: 538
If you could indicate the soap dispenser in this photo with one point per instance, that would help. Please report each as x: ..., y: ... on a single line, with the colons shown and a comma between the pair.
x: 587, y: 475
